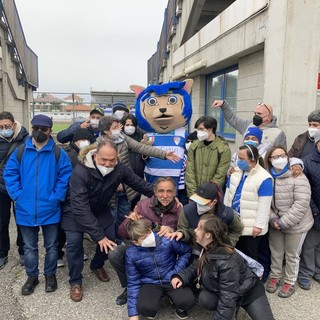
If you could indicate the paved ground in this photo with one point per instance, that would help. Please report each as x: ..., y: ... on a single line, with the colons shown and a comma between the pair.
x: 99, y: 298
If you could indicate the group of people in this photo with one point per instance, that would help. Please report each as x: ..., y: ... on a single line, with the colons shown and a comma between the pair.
x: 249, y: 218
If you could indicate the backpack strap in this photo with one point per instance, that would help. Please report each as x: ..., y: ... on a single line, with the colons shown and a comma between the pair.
x: 12, y: 147
x: 57, y: 152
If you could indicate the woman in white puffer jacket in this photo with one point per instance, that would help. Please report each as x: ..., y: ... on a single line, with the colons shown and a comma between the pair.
x: 290, y: 220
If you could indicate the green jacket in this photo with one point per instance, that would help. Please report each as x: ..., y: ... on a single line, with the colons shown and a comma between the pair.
x: 206, y: 163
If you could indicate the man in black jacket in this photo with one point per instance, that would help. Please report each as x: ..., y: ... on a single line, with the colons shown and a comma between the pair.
x: 12, y: 134
x: 93, y: 182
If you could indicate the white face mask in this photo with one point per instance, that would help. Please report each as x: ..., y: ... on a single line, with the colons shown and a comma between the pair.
x: 279, y: 163
x: 129, y: 130
x: 201, y: 209
x: 116, y: 134
x: 83, y: 143
x: 104, y: 170
x: 312, y: 131
x: 187, y: 145
x: 149, y: 241
x: 202, y: 135
x: 94, y: 123
x: 118, y: 114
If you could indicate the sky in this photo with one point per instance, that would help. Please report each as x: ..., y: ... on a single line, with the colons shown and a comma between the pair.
x: 85, y: 45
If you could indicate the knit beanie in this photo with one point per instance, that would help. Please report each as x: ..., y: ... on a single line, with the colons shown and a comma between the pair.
x: 83, y: 134
x: 254, y: 131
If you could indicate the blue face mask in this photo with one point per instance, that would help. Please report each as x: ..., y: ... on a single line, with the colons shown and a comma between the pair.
x: 7, y: 133
x: 243, y: 165
x: 251, y: 143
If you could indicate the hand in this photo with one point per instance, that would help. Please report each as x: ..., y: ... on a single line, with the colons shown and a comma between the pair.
x: 172, y: 156
x: 296, y: 170
x: 146, y: 141
x: 164, y: 230
x: 217, y: 104
x: 85, y: 124
x: 120, y: 188
x: 120, y: 126
x: 176, y: 283
x: 134, y: 216
x: 256, y: 231
x: 231, y: 171
x: 106, y: 244
x: 180, y: 205
x: 276, y: 224
x: 178, y: 235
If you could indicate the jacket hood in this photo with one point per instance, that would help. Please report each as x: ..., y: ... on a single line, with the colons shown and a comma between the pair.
x: 86, y: 156
x: 272, y: 124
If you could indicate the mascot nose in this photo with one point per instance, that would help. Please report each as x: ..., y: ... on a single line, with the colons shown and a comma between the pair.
x: 162, y: 110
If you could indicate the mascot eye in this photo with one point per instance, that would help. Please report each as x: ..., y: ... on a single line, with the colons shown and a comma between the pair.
x: 172, y: 100
x: 152, y: 101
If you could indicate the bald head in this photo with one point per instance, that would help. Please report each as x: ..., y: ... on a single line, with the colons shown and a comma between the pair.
x: 265, y: 111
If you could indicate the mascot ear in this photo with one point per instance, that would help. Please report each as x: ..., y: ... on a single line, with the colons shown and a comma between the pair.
x: 188, y: 85
x: 136, y: 89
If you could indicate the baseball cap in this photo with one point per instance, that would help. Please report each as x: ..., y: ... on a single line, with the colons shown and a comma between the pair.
x: 205, y: 193
x: 97, y: 110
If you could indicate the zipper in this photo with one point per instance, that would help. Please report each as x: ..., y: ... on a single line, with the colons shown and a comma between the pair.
x: 155, y: 263
x: 36, y: 195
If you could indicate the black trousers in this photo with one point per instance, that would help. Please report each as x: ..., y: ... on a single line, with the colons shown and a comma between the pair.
x: 250, y: 246
x: 150, y: 297
x: 259, y: 309
x: 5, y: 214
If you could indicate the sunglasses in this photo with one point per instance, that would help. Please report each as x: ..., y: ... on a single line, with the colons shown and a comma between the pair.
x: 43, y: 129
x: 264, y: 105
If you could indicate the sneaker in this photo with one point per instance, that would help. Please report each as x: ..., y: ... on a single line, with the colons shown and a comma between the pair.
x: 122, y: 299
x: 60, y: 263
x: 21, y: 260
x: 3, y: 262
x: 182, y: 314
x: 304, y: 284
x: 85, y: 257
x: 51, y: 283
x: 29, y: 286
x: 273, y: 285
x: 286, y: 290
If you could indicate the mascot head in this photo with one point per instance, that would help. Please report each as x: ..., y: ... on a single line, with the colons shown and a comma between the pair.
x: 164, y: 107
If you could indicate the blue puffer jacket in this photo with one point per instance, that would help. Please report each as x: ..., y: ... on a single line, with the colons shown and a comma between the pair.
x: 153, y: 265
x: 38, y: 184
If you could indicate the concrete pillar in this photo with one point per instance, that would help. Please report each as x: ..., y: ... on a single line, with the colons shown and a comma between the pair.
x: 292, y: 62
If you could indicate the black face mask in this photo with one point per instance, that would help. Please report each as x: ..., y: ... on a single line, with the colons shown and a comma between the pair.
x: 39, y: 136
x: 257, y: 120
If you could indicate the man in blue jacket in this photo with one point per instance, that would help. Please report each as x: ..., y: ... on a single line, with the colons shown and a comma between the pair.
x: 36, y: 178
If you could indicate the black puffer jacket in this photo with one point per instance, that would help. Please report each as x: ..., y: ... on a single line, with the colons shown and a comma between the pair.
x: 312, y: 172
x: 87, y: 206
x: 19, y: 136
x: 228, y: 276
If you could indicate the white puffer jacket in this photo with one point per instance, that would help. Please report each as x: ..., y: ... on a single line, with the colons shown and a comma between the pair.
x: 291, y: 203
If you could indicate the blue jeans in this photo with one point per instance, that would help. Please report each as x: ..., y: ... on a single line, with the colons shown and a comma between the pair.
x: 123, y: 208
x: 31, y: 253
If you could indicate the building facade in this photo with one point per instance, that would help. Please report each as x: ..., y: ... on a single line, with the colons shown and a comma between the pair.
x: 18, y: 65
x: 244, y: 51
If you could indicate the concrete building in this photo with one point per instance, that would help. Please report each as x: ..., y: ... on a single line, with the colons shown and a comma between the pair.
x: 18, y: 65
x: 244, y: 51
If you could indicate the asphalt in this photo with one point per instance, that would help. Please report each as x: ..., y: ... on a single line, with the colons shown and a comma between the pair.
x: 99, y: 298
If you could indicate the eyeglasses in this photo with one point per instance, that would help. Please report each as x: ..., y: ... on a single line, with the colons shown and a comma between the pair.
x: 264, y: 105
x: 43, y: 129
x: 6, y: 127
x: 282, y: 156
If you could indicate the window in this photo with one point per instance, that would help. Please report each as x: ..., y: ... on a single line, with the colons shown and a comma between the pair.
x: 222, y: 85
